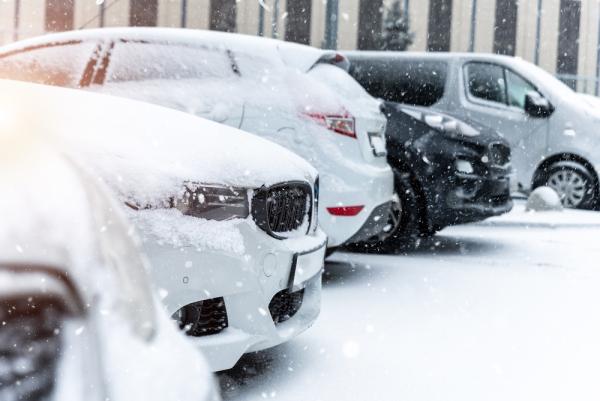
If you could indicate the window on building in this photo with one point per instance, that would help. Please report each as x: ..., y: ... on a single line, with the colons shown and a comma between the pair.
x: 59, y: 65
x: 59, y: 15
x: 486, y: 82
x: 568, y: 39
x: 223, y: 15
x: 440, y: 25
x: 505, y: 27
x: 370, y: 16
x: 143, y: 12
x: 414, y: 82
x: 298, y: 19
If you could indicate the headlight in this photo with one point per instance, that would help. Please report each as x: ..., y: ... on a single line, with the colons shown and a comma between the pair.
x: 213, y: 202
x: 464, y: 166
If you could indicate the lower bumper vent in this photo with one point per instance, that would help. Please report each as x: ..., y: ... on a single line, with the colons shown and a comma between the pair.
x: 203, y: 318
x: 285, y: 304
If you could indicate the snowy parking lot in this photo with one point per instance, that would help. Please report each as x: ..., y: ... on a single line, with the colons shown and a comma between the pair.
x: 502, y: 310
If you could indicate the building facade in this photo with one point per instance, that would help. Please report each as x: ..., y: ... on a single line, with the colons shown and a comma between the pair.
x: 560, y: 35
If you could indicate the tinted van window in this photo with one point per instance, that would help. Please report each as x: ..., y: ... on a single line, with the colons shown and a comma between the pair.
x: 486, y: 81
x: 414, y: 82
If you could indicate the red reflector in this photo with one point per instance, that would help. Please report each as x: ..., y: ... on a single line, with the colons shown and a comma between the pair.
x: 345, y: 210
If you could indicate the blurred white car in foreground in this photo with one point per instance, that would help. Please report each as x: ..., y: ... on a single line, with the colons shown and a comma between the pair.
x: 291, y: 94
x: 79, y: 319
x: 227, y: 219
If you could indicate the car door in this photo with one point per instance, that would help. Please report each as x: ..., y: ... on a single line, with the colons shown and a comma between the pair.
x: 196, y: 79
x: 494, y: 95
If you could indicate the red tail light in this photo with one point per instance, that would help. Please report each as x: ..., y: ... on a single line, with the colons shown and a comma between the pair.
x: 340, y: 124
x: 346, y: 211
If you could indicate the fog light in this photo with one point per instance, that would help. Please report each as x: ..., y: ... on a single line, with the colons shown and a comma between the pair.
x: 463, y: 166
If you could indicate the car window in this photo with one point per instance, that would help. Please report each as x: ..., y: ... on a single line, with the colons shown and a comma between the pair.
x: 140, y: 61
x: 517, y: 89
x: 486, y: 81
x: 59, y: 65
x: 414, y: 82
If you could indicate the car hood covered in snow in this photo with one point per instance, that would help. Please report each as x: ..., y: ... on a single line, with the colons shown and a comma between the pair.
x: 162, y: 148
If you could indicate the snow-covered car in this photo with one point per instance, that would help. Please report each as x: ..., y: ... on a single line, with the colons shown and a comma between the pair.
x: 227, y: 219
x: 80, y: 320
x: 291, y: 94
x: 553, y: 131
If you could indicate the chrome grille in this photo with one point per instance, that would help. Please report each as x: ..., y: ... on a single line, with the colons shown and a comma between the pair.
x: 282, y: 209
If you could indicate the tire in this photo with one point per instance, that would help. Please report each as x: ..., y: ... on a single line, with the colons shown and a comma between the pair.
x: 330, y: 251
x: 409, y: 230
x: 575, y: 184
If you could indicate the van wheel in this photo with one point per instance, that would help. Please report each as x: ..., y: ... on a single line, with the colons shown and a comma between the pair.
x: 574, y: 184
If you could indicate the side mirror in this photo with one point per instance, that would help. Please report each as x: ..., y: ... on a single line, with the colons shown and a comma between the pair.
x: 537, y: 106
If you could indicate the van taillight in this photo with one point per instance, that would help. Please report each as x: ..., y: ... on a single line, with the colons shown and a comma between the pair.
x: 340, y: 124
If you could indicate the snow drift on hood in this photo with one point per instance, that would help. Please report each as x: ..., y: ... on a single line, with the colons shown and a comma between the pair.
x: 146, y: 152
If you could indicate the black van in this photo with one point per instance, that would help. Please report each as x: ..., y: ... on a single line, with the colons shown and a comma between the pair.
x: 448, y: 171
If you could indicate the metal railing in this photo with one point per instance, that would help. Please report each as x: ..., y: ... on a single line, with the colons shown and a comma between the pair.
x: 581, y: 83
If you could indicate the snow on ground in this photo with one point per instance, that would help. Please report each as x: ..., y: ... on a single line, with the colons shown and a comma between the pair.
x: 504, y: 310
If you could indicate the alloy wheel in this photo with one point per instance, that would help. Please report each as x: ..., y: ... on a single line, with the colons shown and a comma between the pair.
x: 570, y: 186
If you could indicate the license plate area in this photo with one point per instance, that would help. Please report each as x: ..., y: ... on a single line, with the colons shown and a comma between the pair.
x: 305, y: 266
x: 377, y: 144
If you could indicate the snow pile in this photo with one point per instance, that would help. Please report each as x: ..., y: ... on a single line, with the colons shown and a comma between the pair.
x: 544, y: 199
x: 172, y: 227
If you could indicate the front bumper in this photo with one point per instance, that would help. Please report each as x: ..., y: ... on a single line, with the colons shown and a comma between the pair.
x: 247, y: 282
x: 468, y: 198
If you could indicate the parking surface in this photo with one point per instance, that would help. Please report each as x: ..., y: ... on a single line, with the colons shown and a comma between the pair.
x: 503, y: 310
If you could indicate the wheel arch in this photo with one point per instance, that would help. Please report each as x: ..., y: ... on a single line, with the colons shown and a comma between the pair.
x: 400, y: 167
x: 563, y: 157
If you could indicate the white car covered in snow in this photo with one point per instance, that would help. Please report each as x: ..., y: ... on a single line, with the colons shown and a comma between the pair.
x: 227, y: 219
x: 291, y: 94
x: 79, y: 318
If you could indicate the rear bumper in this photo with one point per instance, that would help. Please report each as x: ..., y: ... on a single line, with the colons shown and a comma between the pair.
x: 372, y: 188
x: 377, y: 227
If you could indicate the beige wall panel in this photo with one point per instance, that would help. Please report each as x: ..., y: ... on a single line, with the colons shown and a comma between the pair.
x: 117, y: 14
x: 198, y: 14
x: 484, y: 32
x: 587, y: 44
x: 549, y: 35
x: 86, y: 13
x: 461, y: 25
x: 32, y: 18
x: 526, y: 26
x: 169, y: 13
x: 279, y: 24
x: 247, y: 16
x: 348, y: 24
x: 7, y: 12
x: 317, y: 25
x: 419, y: 14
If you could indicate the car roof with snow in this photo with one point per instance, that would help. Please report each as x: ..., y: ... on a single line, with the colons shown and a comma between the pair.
x: 147, y: 152
x: 294, y: 55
